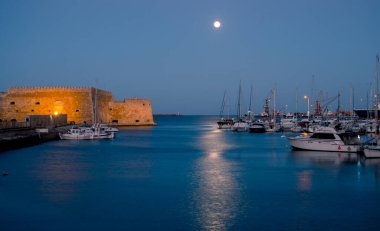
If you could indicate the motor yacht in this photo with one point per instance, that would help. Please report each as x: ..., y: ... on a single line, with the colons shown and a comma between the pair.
x: 327, y: 139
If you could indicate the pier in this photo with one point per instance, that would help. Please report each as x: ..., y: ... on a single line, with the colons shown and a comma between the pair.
x: 24, y: 137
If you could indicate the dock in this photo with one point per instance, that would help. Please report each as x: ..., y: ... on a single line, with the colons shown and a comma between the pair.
x: 24, y: 137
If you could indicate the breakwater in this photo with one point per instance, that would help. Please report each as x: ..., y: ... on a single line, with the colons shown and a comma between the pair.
x: 24, y: 137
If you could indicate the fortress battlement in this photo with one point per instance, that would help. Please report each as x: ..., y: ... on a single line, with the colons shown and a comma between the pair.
x: 80, y: 104
x: 26, y: 89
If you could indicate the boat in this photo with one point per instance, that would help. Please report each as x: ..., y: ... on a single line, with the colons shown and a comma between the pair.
x: 225, y: 123
x: 257, y: 127
x: 288, y: 123
x: 327, y: 139
x: 86, y: 133
x: 77, y: 133
x: 105, y: 127
x: 372, y: 151
x: 241, y: 125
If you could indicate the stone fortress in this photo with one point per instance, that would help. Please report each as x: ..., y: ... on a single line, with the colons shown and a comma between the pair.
x: 80, y: 104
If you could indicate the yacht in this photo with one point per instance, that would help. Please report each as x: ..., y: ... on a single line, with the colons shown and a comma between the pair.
x: 327, y: 139
x: 257, y: 127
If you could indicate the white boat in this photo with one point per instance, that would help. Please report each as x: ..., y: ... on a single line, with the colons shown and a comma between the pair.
x: 77, y: 133
x: 372, y: 152
x: 86, y: 133
x: 240, y: 126
x: 288, y: 123
x: 327, y: 139
x: 105, y: 127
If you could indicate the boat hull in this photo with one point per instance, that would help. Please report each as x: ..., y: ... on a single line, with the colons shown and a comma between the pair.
x: 257, y: 129
x: 76, y: 137
x: 372, y: 152
x: 319, y: 145
x: 240, y: 127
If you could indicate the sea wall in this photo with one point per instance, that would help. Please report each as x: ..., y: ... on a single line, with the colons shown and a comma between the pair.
x: 80, y: 104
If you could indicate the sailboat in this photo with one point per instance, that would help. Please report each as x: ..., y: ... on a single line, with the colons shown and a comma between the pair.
x: 241, y: 125
x: 225, y: 123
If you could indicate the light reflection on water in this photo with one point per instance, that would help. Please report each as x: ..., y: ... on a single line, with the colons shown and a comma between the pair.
x: 325, y: 158
x: 59, y: 174
x: 216, y: 196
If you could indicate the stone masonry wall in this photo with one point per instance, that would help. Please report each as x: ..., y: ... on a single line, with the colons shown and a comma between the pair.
x: 132, y: 112
x: 80, y: 104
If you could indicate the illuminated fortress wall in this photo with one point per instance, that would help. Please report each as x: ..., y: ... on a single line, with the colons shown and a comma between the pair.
x: 80, y: 104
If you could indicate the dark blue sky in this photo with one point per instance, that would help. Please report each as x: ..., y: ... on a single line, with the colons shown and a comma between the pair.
x: 169, y: 52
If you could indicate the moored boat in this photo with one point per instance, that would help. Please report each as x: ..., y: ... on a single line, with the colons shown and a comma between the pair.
x: 327, y: 139
x: 372, y: 152
x: 86, y: 133
x: 257, y: 127
x: 225, y: 123
x: 240, y: 126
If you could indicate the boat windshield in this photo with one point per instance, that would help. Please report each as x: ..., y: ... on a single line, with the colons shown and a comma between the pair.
x: 325, y: 136
x: 349, y: 138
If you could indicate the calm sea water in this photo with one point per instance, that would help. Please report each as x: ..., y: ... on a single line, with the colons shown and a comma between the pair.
x: 185, y: 174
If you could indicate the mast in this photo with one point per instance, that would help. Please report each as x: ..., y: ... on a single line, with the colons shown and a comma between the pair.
x: 296, y: 102
x: 250, y: 105
x: 274, y: 107
x: 223, y: 104
x: 239, y: 106
x: 338, y: 110
x: 352, y: 102
x: 377, y: 88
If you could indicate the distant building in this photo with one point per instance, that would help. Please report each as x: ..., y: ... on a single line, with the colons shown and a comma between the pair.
x: 81, y: 105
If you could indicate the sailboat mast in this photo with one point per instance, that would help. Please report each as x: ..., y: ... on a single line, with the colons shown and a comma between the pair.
x: 223, y: 104
x: 250, y: 105
x: 338, y: 110
x: 377, y: 88
x: 239, y: 106
x: 296, y: 102
x: 274, y: 105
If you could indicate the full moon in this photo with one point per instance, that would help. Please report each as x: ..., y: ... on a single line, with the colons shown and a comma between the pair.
x: 217, y: 24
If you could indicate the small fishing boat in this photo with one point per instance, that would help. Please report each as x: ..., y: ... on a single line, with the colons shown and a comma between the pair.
x: 86, y: 133
x: 77, y: 133
x: 327, y: 139
x: 105, y: 127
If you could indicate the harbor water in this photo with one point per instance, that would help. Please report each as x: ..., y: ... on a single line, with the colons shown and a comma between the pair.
x: 185, y: 174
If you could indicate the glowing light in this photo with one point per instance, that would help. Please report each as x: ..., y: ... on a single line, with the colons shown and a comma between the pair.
x: 217, y: 24
x: 55, y: 113
x: 305, y: 97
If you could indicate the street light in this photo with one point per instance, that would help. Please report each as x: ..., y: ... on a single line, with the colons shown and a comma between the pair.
x: 308, y: 106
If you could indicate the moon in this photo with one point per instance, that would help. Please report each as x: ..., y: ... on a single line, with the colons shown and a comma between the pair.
x: 217, y: 24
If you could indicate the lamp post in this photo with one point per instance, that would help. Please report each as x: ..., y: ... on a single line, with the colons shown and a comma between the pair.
x: 308, y: 106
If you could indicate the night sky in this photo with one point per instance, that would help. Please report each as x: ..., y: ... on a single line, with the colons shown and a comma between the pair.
x: 170, y: 52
